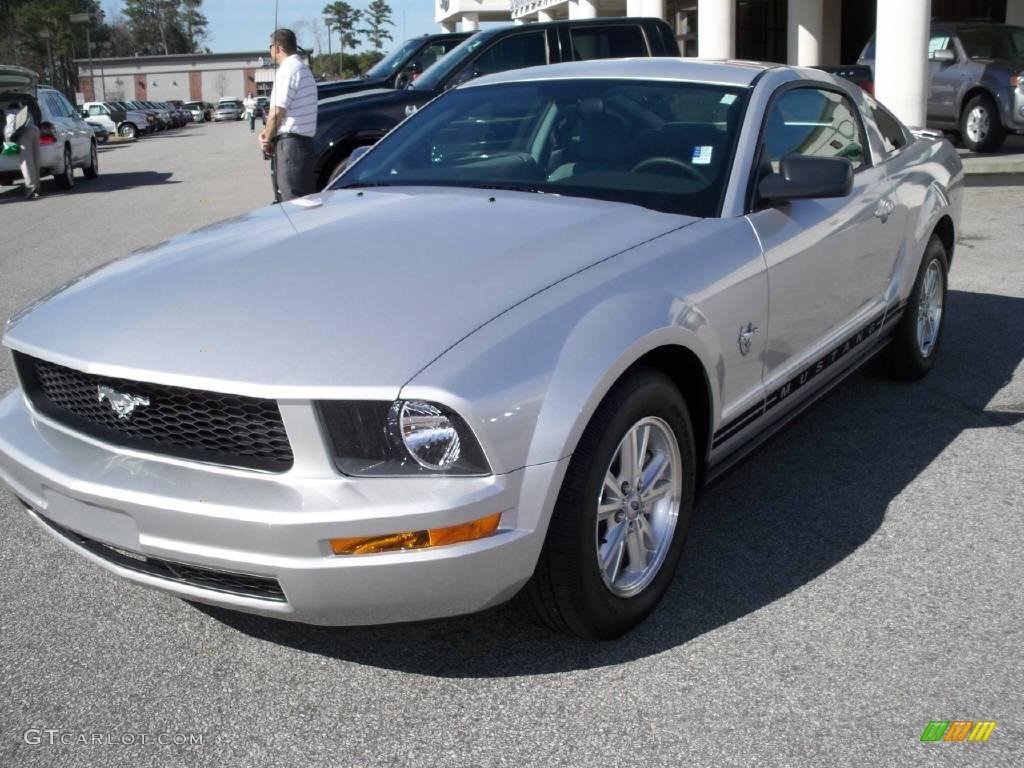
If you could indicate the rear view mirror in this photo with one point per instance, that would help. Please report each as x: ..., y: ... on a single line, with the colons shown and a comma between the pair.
x: 943, y: 55
x: 801, y: 177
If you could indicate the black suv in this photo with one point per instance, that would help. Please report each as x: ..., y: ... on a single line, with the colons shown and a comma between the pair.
x: 398, y: 68
x: 360, y: 120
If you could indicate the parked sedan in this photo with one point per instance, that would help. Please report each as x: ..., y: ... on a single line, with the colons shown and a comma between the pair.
x: 227, y: 110
x: 659, y: 263
x: 99, y: 131
x: 66, y: 141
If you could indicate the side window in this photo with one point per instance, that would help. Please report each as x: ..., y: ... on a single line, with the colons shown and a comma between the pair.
x: 894, y: 136
x: 52, y: 106
x: 429, y: 55
x: 607, y: 42
x: 96, y: 109
x: 69, y: 111
x: 514, y: 52
x: 813, y: 122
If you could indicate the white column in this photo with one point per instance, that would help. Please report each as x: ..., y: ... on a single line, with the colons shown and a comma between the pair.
x: 634, y: 7
x: 545, y: 16
x: 716, y: 29
x: 653, y: 8
x: 901, y: 58
x: 582, y: 9
x: 1015, y: 12
x: 831, y: 33
x: 470, y: 22
x: 805, y: 31
x: 448, y: 26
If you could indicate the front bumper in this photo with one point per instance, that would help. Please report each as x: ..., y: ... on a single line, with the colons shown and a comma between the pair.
x: 276, y: 526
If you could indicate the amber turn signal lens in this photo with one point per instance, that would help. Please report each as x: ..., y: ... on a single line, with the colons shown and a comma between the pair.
x: 433, y: 537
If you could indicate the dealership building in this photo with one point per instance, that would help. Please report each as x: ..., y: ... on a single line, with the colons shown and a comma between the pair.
x: 802, y: 32
x: 188, y: 77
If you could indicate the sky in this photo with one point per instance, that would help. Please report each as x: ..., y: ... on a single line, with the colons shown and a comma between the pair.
x: 245, y: 25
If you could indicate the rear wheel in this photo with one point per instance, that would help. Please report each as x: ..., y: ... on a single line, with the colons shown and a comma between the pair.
x: 128, y: 131
x: 915, y: 342
x: 92, y: 170
x: 66, y: 179
x: 980, y: 126
x: 618, y: 527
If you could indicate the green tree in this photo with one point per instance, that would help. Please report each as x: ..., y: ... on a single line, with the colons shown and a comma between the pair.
x: 195, y: 23
x: 377, y: 17
x: 344, y: 18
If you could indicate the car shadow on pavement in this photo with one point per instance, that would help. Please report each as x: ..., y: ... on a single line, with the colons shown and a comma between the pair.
x: 105, y: 182
x: 795, y: 509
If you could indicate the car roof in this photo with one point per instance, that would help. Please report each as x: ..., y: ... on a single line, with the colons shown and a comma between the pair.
x: 721, y: 72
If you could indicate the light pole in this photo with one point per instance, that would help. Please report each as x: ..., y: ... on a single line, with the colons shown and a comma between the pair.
x: 47, y: 35
x: 88, y: 18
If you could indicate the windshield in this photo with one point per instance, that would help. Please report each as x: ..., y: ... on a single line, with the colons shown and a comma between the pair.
x: 661, y: 145
x: 434, y: 77
x: 394, y: 60
x: 1001, y: 42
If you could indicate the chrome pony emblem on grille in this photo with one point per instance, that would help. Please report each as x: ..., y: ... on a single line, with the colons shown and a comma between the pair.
x: 121, y: 403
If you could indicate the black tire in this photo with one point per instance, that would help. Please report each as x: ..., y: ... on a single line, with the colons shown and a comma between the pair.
x: 128, y: 131
x: 66, y: 179
x: 567, y: 592
x: 904, y: 358
x: 987, y: 135
x: 92, y: 170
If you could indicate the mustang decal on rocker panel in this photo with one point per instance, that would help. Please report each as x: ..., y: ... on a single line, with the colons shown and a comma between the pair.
x: 121, y: 403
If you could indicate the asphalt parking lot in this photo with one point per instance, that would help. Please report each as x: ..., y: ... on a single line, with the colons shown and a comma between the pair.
x: 857, y: 578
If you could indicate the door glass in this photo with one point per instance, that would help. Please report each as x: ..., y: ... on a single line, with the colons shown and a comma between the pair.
x: 812, y: 122
x: 607, y: 42
x: 513, y: 53
x: 894, y: 136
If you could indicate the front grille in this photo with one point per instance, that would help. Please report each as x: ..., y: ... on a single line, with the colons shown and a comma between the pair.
x: 187, y: 423
x: 248, y: 585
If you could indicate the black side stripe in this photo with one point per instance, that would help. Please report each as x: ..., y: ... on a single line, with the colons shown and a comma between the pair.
x: 748, y: 417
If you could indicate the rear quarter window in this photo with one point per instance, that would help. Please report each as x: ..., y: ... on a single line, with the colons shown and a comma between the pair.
x: 611, y: 42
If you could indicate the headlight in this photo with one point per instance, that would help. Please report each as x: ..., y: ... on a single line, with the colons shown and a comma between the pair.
x: 407, y: 437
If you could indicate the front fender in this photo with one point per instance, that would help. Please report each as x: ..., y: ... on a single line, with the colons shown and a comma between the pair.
x: 529, y: 381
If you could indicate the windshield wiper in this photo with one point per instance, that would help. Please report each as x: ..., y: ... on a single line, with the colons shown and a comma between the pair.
x: 365, y: 184
x: 510, y: 187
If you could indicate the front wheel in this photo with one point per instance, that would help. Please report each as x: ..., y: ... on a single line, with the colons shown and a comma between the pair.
x: 128, y: 131
x: 620, y: 521
x: 980, y: 126
x: 915, y: 342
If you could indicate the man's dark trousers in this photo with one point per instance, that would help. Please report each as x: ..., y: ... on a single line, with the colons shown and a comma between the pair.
x: 292, y: 167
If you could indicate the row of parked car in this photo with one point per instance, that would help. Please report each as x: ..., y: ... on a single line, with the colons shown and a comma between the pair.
x: 131, y: 119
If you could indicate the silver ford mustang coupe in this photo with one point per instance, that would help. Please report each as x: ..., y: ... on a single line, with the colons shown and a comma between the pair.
x: 498, y: 357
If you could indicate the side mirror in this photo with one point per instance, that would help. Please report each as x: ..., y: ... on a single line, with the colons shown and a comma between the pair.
x: 943, y: 56
x: 801, y: 177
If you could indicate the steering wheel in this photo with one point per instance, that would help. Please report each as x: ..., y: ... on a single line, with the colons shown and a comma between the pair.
x: 674, y: 162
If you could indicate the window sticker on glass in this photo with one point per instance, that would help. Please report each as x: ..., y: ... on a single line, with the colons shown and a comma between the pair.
x: 728, y: 98
x: 702, y: 155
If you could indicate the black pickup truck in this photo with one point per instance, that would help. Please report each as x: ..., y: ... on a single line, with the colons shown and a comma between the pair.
x: 353, y: 120
x: 398, y: 68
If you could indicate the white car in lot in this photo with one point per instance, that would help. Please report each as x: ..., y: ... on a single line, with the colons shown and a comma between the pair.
x: 127, y: 123
x: 66, y: 141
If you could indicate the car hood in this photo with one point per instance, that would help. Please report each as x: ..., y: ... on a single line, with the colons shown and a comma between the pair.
x: 345, y: 294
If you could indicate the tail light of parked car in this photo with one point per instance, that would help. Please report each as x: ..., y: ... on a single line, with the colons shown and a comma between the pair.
x: 47, y: 134
x: 868, y: 85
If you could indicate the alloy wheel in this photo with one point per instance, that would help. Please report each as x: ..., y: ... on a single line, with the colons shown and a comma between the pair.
x: 638, y: 507
x: 929, y: 308
x: 978, y: 124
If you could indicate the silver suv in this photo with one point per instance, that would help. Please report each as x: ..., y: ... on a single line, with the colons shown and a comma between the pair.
x: 976, y: 86
x: 66, y: 141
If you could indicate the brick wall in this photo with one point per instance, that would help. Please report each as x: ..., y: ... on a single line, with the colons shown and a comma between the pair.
x: 195, y: 86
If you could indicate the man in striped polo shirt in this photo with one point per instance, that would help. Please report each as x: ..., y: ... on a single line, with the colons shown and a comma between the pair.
x: 291, y: 125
